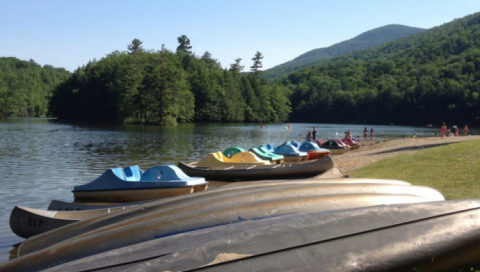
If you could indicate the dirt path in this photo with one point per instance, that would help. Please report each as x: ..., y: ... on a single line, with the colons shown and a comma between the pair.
x: 372, y: 150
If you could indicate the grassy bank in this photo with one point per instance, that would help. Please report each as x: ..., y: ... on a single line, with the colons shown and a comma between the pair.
x: 453, y: 170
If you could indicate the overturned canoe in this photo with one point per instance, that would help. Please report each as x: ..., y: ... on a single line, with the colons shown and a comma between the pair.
x: 434, y: 236
x: 60, y: 205
x: 131, y: 184
x: 167, y: 217
x: 28, y: 222
x: 258, y: 172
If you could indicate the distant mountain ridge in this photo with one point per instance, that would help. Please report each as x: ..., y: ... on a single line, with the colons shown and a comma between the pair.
x: 363, y: 41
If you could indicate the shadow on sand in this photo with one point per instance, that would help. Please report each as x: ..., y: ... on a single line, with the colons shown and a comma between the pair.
x: 411, y: 148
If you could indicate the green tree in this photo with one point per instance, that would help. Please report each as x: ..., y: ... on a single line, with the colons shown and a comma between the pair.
x: 257, y: 63
x: 135, y: 46
x: 184, y: 45
x: 236, y: 67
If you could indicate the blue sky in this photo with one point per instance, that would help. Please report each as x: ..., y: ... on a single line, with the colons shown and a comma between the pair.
x: 69, y: 33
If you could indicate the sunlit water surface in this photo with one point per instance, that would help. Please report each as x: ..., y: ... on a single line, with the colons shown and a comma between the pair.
x: 42, y: 159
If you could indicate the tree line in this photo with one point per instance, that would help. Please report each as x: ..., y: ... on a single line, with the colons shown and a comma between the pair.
x: 165, y: 87
x: 428, y: 78
x: 26, y: 87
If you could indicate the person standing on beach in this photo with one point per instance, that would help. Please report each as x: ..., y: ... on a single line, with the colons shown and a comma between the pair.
x: 365, y: 132
x: 465, y: 130
x: 443, y: 129
x: 453, y: 131
x: 314, y: 133
x: 309, y: 137
x: 371, y: 134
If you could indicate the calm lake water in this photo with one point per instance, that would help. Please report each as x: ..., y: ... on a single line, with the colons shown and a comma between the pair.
x: 42, y: 159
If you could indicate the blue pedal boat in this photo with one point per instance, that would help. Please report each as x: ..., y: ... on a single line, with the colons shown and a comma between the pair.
x: 131, y: 184
x: 291, y: 153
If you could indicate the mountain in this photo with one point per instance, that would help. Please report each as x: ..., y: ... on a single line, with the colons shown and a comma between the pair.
x: 428, y: 78
x: 365, y: 40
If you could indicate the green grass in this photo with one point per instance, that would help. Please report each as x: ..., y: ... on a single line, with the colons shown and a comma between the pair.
x: 453, y: 170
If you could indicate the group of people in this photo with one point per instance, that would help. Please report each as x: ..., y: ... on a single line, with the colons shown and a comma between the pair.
x: 348, y: 135
x: 311, y: 136
x: 444, y: 132
x: 365, y: 133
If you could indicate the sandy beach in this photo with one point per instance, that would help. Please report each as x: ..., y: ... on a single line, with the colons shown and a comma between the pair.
x: 376, y: 150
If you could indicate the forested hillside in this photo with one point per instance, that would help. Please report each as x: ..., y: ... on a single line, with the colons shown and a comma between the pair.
x: 26, y: 87
x: 431, y: 77
x: 165, y: 87
x: 365, y: 40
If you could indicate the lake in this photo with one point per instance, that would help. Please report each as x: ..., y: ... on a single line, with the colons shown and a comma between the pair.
x: 42, y: 159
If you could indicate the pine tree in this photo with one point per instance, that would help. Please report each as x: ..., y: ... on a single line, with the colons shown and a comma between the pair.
x: 257, y: 63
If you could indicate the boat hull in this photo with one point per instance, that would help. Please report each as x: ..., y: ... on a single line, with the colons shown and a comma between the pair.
x: 28, y: 222
x: 339, y: 151
x: 59, y: 205
x: 278, y: 171
x: 134, y: 195
x: 419, y: 240
x: 289, y: 159
x: 434, y: 236
x: 224, y: 205
x: 315, y: 155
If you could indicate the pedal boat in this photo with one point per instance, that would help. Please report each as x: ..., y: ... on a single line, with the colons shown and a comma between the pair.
x: 131, y: 184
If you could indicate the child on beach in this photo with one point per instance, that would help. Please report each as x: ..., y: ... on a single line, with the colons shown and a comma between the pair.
x: 443, y: 129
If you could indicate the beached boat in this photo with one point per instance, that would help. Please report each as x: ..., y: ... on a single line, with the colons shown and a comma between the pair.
x: 231, y: 151
x: 265, y: 154
x: 313, y: 150
x: 433, y: 236
x: 334, y: 174
x: 60, y: 205
x: 28, y: 222
x: 353, y: 144
x: 217, y: 159
x: 269, y: 147
x: 290, y: 153
x: 187, y: 213
x: 131, y: 184
x: 336, y: 147
x: 294, y: 143
x: 258, y: 172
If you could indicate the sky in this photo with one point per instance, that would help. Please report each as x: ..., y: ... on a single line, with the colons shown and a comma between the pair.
x: 70, y: 33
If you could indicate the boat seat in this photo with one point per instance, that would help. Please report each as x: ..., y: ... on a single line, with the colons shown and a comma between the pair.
x: 231, y: 151
x: 269, y: 147
x: 219, y: 156
x: 164, y: 173
x: 132, y: 173
x: 119, y: 173
x: 247, y: 156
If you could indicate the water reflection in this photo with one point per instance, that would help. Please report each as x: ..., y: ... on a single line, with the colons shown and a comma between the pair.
x: 42, y: 159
